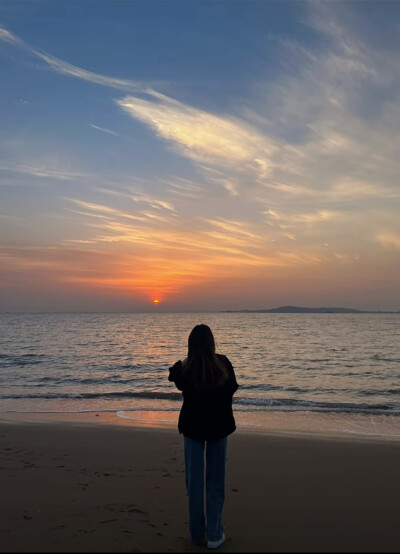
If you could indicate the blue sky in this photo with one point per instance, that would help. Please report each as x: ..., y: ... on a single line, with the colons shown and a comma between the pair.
x: 210, y: 154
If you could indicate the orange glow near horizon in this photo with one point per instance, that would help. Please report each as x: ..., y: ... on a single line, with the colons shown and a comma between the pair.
x: 156, y: 301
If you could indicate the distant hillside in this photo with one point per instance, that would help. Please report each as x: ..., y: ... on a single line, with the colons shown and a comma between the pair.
x: 300, y: 310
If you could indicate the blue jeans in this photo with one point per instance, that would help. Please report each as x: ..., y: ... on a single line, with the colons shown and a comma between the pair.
x: 209, y: 523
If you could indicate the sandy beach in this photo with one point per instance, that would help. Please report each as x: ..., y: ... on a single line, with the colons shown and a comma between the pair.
x: 95, y: 486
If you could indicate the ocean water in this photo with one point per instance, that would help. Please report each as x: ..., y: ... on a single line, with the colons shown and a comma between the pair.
x: 333, y: 372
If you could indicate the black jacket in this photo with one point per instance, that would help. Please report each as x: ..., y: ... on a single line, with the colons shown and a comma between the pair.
x: 205, y: 415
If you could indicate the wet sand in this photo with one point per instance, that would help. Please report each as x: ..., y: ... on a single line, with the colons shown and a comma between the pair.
x: 93, y: 486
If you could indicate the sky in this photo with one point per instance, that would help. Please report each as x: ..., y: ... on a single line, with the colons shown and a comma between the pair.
x: 210, y: 155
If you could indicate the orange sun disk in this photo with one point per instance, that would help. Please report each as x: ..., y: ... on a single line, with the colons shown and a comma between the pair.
x: 156, y: 301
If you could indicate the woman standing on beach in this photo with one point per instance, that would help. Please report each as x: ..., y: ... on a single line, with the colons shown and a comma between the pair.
x: 207, y: 381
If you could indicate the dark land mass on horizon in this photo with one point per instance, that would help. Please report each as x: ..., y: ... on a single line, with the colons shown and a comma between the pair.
x: 300, y: 310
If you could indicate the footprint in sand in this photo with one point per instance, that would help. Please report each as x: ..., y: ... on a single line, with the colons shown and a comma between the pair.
x: 131, y: 508
x: 136, y: 511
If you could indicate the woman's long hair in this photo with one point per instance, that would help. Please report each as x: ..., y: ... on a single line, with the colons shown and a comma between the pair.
x: 203, y: 369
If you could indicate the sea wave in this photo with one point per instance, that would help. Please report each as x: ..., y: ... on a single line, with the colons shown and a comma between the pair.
x: 155, y: 395
x: 286, y: 404
x: 21, y: 360
x: 241, y: 403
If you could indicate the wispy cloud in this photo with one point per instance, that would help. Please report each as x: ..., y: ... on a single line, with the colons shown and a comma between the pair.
x: 184, y: 187
x: 11, y: 217
x: 42, y: 171
x: 9, y: 37
x: 109, y: 131
x: 213, y: 243
x: 134, y: 194
x: 197, y: 134
x: 66, y: 68
x: 389, y: 240
x: 103, y: 210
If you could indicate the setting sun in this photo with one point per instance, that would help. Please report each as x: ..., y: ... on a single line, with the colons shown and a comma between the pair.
x: 156, y: 301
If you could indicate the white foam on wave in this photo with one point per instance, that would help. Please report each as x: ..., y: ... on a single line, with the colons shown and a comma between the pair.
x: 370, y: 433
x: 124, y: 415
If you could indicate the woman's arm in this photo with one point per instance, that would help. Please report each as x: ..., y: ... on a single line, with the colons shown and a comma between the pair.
x: 233, y: 384
x: 175, y: 374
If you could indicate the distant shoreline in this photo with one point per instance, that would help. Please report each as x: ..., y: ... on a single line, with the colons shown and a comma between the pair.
x: 303, y: 310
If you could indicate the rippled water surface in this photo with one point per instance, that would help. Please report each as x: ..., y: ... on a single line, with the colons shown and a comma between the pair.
x: 346, y: 363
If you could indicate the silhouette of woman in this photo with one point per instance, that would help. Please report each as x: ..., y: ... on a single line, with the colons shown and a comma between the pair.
x: 208, y: 382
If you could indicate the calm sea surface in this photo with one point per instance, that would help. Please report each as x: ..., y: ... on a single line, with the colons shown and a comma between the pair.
x: 333, y: 367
